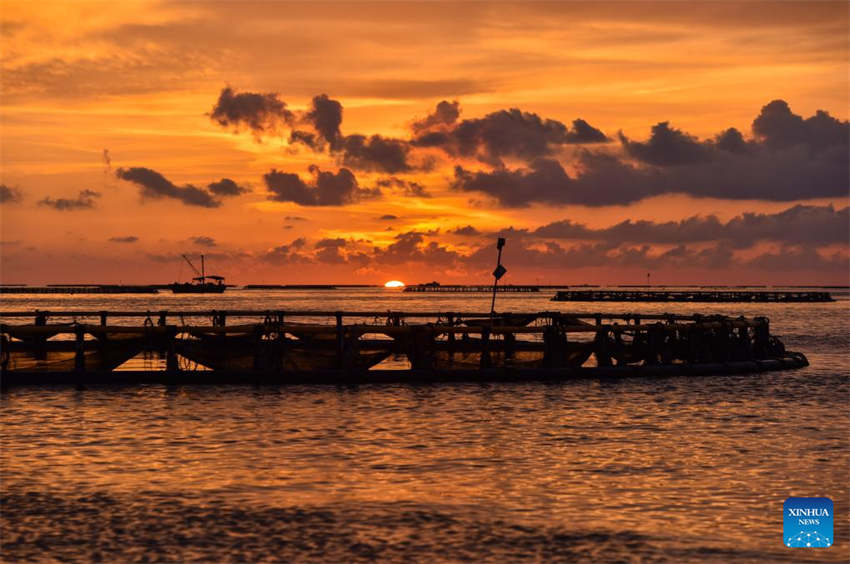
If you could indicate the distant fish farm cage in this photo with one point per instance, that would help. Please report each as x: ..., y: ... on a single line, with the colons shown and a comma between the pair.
x: 460, y: 288
x: 288, y: 287
x: 79, y: 289
x: 334, y: 347
x: 689, y: 296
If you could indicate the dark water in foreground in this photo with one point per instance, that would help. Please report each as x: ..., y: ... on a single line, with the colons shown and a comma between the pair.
x: 666, y: 469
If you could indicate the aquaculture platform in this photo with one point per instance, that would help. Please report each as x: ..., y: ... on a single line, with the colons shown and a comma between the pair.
x: 457, y: 288
x: 281, y: 347
x: 696, y: 296
x: 79, y: 289
x: 306, y: 286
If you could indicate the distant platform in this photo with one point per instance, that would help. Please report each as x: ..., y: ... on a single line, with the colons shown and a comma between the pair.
x: 462, y: 288
x: 79, y: 289
x: 289, y: 287
x: 690, y: 296
x: 307, y: 286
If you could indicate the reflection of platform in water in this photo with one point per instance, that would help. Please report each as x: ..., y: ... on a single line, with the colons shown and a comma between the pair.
x: 436, y: 346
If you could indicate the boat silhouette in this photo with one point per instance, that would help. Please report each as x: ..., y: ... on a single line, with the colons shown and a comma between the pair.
x: 203, y: 283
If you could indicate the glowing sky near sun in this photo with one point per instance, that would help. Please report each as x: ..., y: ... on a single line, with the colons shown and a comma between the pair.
x: 118, y: 135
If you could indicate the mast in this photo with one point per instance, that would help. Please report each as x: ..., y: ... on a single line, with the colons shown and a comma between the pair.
x: 203, y: 272
x: 190, y: 264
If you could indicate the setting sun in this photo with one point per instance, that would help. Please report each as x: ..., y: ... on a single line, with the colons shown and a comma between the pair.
x: 394, y: 284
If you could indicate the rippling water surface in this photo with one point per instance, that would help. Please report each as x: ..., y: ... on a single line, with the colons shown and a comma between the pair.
x: 670, y: 469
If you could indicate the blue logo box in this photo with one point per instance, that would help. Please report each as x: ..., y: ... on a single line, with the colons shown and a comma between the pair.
x: 808, y: 522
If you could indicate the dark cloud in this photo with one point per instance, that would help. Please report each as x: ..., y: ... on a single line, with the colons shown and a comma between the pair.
x: 265, y: 113
x: 545, y: 181
x: 326, y: 189
x: 261, y: 113
x: 226, y: 187
x: 287, y: 253
x: 732, y: 141
x: 411, y: 247
x: 127, y: 239
x: 84, y: 200
x: 305, y: 138
x: 818, y: 225
x: 468, y: 231
x: 375, y: 153
x: 389, y: 217
x: 326, y: 117
x: 408, y: 187
x: 780, y: 165
x: 666, y: 146
x: 778, y: 127
x: 445, y: 114
x: 155, y: 186
x: 203, y: 241
x: 583, y: 132
x: 329, y: 251
x: 506, y: 133
x: 9, y: 195
x: 295, y: 218
x: 330, y: 243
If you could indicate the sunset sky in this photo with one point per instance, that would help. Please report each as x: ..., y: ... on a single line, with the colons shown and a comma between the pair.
x: 359, y: 142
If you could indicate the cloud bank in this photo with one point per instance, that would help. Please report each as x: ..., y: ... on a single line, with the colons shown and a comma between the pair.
x: 155, y: 186
x: 9, y: 195
x: 84, y: 200
x: 789, y: 158
x: 325, y: 189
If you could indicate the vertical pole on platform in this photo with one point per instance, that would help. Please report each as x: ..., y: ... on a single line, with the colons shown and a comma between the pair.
x: 80, y: 351
x: 498, y: 273
x: 280, y: 361
x: 340, y: 341
x: 451, y: 319
x: 39, y: 342
x: 170, y: 354
x: 485, y: 348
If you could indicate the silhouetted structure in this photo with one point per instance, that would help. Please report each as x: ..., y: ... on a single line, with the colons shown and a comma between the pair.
x: 271, y: 347
x: 78, y: 289
x: 199, y: 284
x: 460, y: 288
x: 689, y: 296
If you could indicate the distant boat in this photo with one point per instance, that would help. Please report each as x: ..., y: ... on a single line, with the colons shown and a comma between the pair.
x: 203, y: 283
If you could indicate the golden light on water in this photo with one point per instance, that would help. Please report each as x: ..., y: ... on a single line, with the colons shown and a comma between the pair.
x: 394, y: 284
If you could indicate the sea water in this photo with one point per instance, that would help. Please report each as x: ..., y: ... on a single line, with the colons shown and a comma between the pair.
x: 672, y: 468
